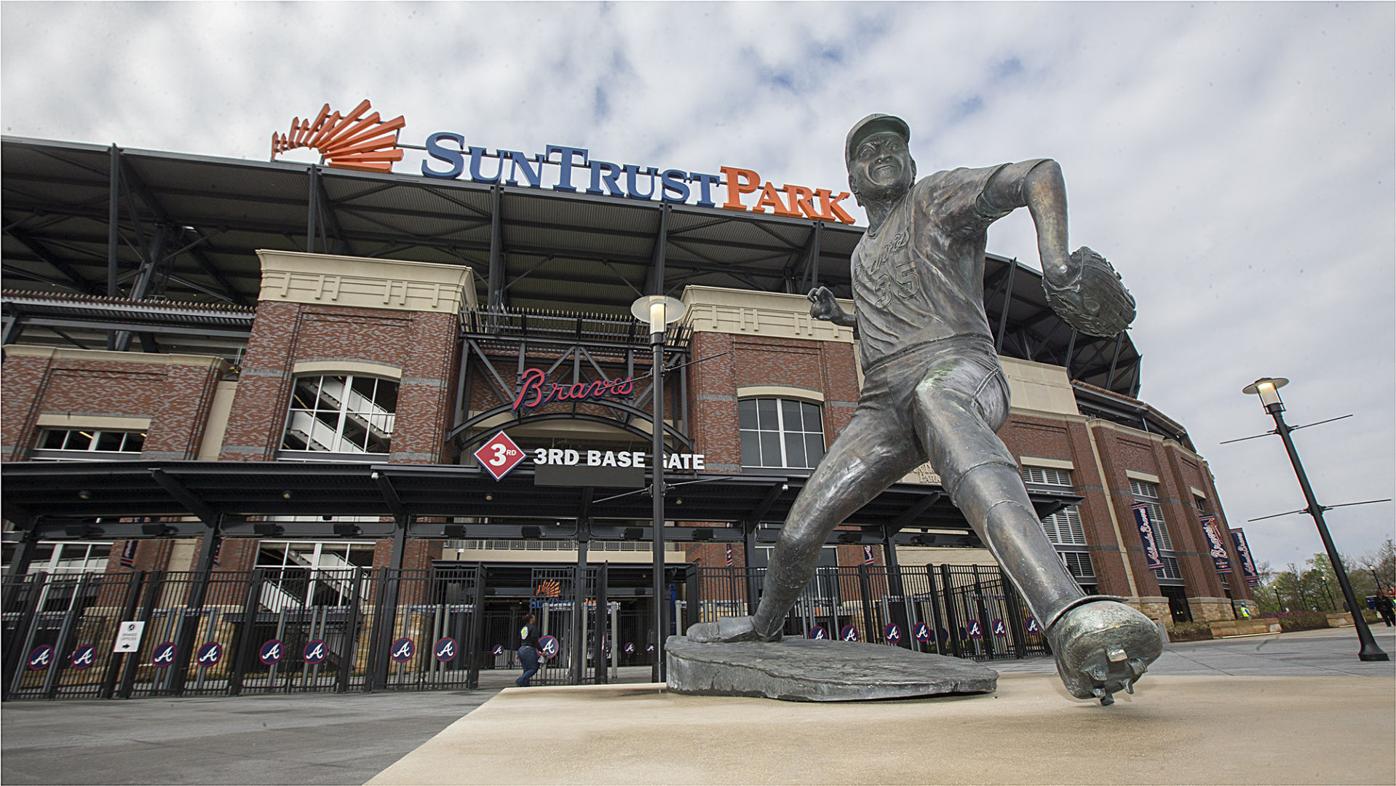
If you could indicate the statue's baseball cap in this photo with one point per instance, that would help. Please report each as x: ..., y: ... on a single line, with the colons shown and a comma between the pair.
x: 873, y: 124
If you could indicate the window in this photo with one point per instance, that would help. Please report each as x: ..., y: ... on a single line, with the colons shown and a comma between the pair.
x: 299, y: 573
x: 1147, y: 493
x: 1064, y: 528
x: 70, y: 558
x: 58, y: 444
x: 341, y: 414
x: 781, y: 433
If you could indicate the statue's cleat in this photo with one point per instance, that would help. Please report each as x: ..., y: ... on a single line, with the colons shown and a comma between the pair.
x: 1103, y: 647
x: 726, y: 629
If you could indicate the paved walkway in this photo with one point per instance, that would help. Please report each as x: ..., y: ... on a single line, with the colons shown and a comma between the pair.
x: 333, y: 739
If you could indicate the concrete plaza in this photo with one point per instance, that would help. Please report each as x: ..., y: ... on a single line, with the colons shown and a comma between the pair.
x: 1292, y: 708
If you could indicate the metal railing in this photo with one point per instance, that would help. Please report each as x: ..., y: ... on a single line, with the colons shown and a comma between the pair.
x: 292, y: 630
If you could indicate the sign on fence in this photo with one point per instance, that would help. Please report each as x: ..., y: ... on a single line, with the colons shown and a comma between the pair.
x: 128, y: 636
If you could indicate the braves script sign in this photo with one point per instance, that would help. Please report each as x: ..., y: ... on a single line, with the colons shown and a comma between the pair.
x: 535, y: 390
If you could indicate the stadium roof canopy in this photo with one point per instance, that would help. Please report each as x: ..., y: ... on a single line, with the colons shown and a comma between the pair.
x: 186, y: 228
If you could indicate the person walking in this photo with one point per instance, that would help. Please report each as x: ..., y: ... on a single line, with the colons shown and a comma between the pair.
x: 528, y: 649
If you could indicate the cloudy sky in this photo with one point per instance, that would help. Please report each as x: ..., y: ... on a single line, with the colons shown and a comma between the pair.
x: 1236, y: 162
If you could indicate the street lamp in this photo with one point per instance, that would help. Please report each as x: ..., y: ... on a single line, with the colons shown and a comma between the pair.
x: 1268, y: 388
x: 658, y: 311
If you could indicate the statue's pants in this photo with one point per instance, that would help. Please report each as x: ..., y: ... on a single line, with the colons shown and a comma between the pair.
x: 941, y: 401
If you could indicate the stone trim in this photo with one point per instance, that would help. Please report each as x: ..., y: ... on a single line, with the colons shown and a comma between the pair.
x: 1144, y: 476
x: 771, y: 314
x: 360, y: 282
x: 106, y: 356
x: 1032, y: 461
x: 113, y: 422
x: 780, y: 391
x: 1197, y: 492
x: 220, y: 411
x: 347, y: 367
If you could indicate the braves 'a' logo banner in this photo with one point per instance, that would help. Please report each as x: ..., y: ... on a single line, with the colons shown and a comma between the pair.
x: 347, y: 141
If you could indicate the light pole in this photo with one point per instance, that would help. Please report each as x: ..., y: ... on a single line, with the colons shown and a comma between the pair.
x: 659, y: 311
x: 1268, y: 388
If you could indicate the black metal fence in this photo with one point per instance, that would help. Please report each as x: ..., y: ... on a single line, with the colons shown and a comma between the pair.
x: 288, y: 630
x: 245, y: 632
x: 966, y: 611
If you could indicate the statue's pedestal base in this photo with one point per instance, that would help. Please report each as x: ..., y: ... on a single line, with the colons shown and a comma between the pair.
x: 810, y: 670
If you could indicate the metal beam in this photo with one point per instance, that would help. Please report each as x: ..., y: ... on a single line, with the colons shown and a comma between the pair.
x: 496, y: 296
x: 654, y: 281
x: 328, y: 212
x: 1007, y: 301
x: 390, y: 495
x: 43, y: 254
x: 185, y: 497
x: 142, y: 192
x: 113, y: 218
x: 312, y: 207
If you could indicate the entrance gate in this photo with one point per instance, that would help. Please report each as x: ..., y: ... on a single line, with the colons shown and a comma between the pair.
x: 259, y: 631
x: 290, y: 630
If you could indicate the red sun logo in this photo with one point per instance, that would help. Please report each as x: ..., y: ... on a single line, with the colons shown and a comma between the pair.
x: 350, y: 141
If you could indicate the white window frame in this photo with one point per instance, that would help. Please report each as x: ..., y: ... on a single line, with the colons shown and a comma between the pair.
x: 1147, y: 493
x: 781, y: 431
x: 344, y: 411
x: 89, y: 453
x: 1065, y: 521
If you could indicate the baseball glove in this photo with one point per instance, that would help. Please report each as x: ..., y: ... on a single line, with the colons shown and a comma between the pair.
x: 1096, y: 302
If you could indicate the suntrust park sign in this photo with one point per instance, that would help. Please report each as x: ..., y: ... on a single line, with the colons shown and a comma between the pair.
x: 576, y: 170
x: 359, y: 140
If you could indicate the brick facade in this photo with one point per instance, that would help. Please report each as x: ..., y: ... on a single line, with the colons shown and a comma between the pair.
x: 421, y: 347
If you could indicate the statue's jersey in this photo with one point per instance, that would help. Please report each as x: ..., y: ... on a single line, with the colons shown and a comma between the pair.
x: 920, y: 278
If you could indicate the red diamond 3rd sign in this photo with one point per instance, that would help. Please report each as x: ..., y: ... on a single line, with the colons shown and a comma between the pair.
x: 499, y: 455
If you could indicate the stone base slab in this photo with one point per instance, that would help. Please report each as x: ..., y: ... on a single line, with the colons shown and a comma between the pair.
x: 1271, y: 730
x: 818, y: 670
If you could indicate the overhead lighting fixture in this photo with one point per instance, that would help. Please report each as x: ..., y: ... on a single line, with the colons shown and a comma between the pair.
x: 84, y: 494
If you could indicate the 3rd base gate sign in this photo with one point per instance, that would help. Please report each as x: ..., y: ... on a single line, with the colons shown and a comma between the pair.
x: 500, y: 455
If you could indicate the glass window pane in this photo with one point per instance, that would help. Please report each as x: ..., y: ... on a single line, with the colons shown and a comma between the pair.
x: 795, y: 451
x: 746, y: 413
x: 303, y: 395
x: 386, y: 397
x: 770, y: 449
x: 766, y: 410
x: 53, y: 440
x: 355, y: 433
x: 376, y: 444
x: 751, y: 449
x: 814, y: 448
x: 813, y: 420
x: 791, y: 411
x: 135, y: 442
x: 79, y: 440
x: 364, y: 387
x: 109, y: 440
